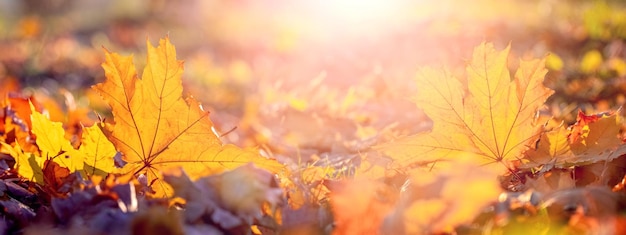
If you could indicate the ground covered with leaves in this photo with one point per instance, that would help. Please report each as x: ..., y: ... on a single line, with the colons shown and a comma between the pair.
x: 312, y: 117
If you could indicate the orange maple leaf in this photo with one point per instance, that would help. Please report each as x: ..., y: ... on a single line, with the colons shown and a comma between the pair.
x: 157, y: 128
x: 359, y: 206
x: 591, y: 139
x: 581, y: 127
x: 491, y: 119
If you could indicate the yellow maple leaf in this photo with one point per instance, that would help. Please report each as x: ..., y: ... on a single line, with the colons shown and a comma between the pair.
x: 28, y: 165
x: 156, y: 128
x: 491, y: 118
x: 553, y: 144
x: 52, y: 143
x: 98, y: 151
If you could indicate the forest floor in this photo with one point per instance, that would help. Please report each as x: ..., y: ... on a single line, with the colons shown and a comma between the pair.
x: 336, y: 95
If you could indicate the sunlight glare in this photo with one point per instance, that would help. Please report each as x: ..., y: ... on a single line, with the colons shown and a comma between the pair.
x: 357, y: 16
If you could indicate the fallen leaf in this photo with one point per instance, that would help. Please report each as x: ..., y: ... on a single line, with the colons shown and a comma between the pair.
x: 245, y: 189
x: 359, y: 206
x: 156, y: 128
x: 55, y: 153
x: 491, y: 119
x: 591, y: 139
x: 16, y: 121
x: 581, y: 127
x: 434, y: 204
x: 28, y: 165
x: 552, y: 146
x: 54, y: 177
x: 18, y: 109
x: 52, y: 143
x: 551, y: 181
x: 602, y: 133
x: 98, y: 151
x: 232, y: 200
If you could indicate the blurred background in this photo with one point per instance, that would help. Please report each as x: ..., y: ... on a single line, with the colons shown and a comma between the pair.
x: 309, y: 78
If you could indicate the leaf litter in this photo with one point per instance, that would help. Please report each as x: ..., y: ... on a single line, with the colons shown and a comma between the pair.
x: 178, y: 177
